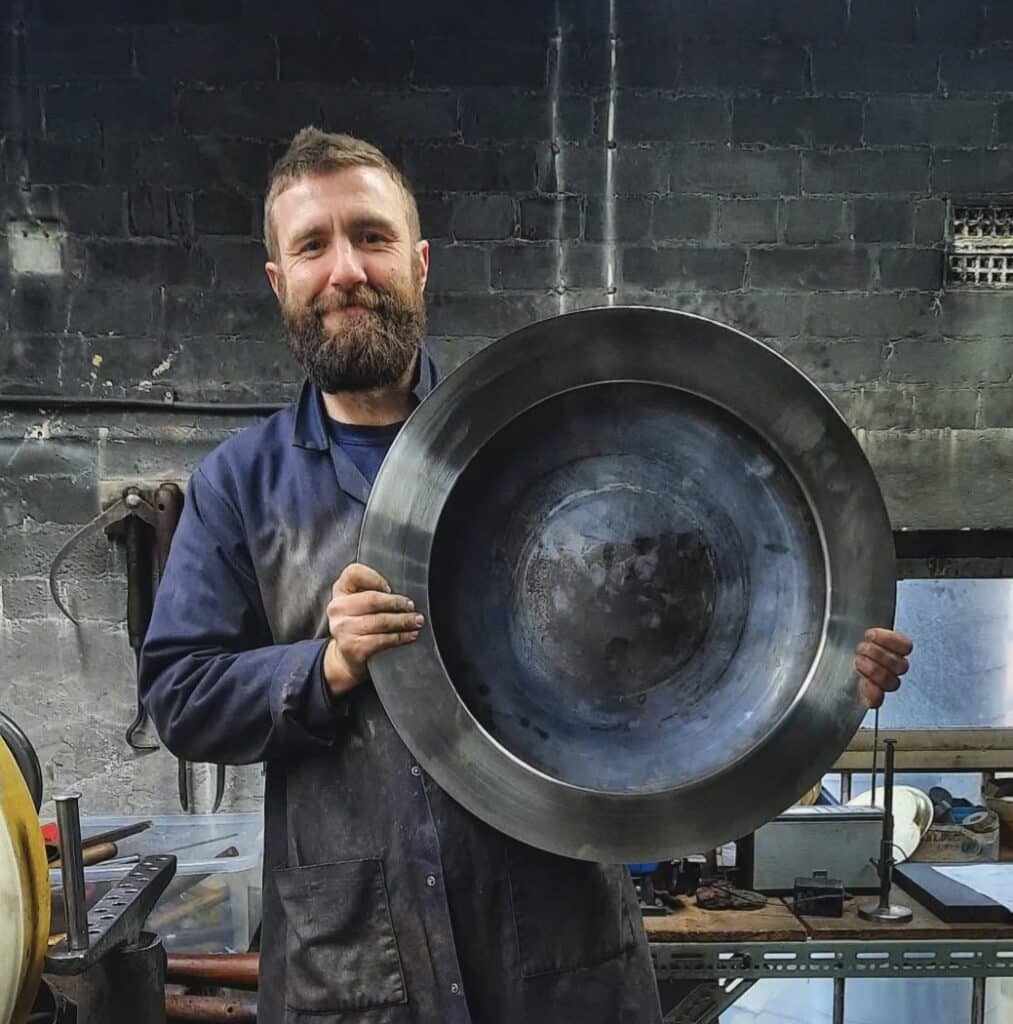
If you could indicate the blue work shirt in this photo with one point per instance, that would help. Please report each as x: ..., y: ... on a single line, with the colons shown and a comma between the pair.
x: 384, y: 901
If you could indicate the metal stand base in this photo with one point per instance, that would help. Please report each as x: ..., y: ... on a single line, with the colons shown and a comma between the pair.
x: 891, y: 913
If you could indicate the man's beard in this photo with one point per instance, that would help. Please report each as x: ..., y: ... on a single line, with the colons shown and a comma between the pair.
x: 368, y: 350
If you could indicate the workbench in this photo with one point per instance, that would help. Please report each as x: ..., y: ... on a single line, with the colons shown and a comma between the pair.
x: 728, y: 951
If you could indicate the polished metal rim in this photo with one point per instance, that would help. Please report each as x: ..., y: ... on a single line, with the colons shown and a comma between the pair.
x: 774, y: 399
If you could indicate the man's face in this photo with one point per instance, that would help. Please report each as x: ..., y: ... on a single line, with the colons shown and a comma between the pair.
x: 349, y: 278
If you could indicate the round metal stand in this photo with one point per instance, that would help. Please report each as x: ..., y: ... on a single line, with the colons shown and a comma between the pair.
x: 893, y: 912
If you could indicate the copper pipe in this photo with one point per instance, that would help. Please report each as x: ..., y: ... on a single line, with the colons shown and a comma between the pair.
x: 209, y: 1009
x: 231, y: 970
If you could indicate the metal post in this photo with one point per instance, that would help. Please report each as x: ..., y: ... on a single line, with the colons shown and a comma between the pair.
x: 978, y: 1000
x: 838, y: 1001
x: 846, y: 788
x: 72, y: 869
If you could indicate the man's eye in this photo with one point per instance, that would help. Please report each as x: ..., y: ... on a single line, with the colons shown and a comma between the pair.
x: 313, y: 245
x: 372, y: 237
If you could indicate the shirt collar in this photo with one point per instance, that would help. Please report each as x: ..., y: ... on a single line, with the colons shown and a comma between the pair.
x: 310, y: 430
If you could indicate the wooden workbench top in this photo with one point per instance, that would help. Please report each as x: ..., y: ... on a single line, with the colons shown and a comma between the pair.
x: 776, y: 923
x: 688, y: 923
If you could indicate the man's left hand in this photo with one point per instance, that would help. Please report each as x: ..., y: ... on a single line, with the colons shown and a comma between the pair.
x: 881, y: 659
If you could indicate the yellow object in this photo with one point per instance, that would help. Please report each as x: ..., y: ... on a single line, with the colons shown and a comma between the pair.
x: 24, y: 892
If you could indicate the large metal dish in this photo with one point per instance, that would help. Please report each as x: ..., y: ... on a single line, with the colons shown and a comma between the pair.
x: 646, y: 546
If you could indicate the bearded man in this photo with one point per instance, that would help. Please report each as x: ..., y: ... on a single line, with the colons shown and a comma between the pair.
x: 384, y: 900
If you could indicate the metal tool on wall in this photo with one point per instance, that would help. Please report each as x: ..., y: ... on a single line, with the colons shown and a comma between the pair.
x: 168, y: 504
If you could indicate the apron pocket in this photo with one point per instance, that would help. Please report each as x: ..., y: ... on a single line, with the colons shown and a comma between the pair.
x: 569, y: 913
x: 340, y: 947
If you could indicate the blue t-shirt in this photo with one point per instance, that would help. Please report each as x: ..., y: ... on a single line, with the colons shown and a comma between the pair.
x: 365, y: 446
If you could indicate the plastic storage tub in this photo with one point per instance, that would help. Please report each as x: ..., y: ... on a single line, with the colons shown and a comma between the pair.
x: 212, y: 905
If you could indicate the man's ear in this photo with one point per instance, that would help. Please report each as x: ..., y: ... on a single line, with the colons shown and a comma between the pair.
x: 274, y: 276
x: 422, y: 250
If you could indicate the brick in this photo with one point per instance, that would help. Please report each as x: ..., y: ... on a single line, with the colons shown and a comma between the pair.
x: 211, y: 54
x: 869, y: 69
x: 759, y: 314
x: 48, y: 499
x: 652, y: 64
x: 501, y: 114
x: 190, y: 312
x: 946, y: 362
x: 151, y: 262
x: 27, y: 599
x: 434, y: 215
x: 683, y: 217
x: 941, y: 22
x: 871, y: 20
x: 921, y: 269
x: 527, y: 266
x: 66, y: 55
x: 389, y: 119
x: 882, y: 220
x: 223, y: 213
x: 63, y: 163
x: 996, y: 406
x: 158, y: 211
x: 459, y: 62
x: 56, y: 12
x: 972, y: 170
x: 29, y: 549
x: 636, y: 171
x: 483, y: 216
x: 487, y: 316
x: 997, y: 22
x: 797, y: 122
x: 584, y: 61
x: 747, y: 220
x: 79, y: 110
x: 91, y: 211
x: 836, y: 362
x: 451, y: 353
x: 153, y: 457
x: 658, y: 269
x: 814, y: 220
x: 844, y: 315
x: 631, y: 220
x: 53, y: 456
x: 552, y: 217
x: 471, y: 168
x: 38, y: 304
x: 585, y: 266
x: 458, y: 268
x: 930, y: 222
x: 685, y: 119
x: 935, y: 408
x: 1004, y: 131
x: 976, y: 313
x: 914, y: 121
x: 344, y: 57
x: 202, y: 12
x: 734, y: 171
x: 865, y: 171
x: 834, y: 268
x: 765, y: 65
x: 238, y: 265
x: 878, y: 408
x: 202, y: 162
x: 238, y: 366
x: 274, y: 110
x: 983, y: 71
x: 126, y: 310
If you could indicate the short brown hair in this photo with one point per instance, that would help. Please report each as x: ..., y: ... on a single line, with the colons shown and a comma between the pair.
x: 315, y: 152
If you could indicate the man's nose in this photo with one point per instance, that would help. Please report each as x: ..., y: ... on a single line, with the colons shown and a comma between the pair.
x: 347, y: 268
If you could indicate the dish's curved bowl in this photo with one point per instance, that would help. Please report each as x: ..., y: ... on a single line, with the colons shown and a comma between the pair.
x: 646, y: 546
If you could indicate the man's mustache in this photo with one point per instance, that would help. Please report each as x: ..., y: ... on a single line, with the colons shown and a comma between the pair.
x: 363, y: 296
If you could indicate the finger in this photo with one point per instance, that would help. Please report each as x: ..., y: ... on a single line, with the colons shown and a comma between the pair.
x: 892, y: 640
x: 872, y: 695
x: 369, y: 602
x: 876, y: 673
x: 374, y: 625
x: 894, y: 662
x: 356, y: 577
x: 374, y: 644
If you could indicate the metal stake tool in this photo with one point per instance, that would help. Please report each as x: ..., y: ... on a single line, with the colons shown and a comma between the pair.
x: 72, y: 868
x: 885, y: 910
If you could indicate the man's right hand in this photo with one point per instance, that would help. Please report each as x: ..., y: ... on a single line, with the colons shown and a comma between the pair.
x: 364, y: 617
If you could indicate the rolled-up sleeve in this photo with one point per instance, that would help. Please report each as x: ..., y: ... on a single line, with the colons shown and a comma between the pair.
x: 215, y: 685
